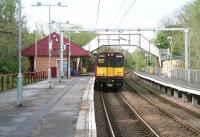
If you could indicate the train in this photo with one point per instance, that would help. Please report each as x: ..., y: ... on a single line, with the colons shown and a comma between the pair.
x: 109, y: 70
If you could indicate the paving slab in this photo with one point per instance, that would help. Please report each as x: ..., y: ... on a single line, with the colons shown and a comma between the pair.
x: 86, y: 124
x: 45, y: 112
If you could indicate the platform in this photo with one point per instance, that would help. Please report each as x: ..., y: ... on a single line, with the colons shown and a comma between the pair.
x: 173, y: 87
x: 174, y: 81
x: 49, y: 112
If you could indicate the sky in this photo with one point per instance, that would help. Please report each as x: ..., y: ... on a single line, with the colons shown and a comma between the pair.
x: 143, y: 14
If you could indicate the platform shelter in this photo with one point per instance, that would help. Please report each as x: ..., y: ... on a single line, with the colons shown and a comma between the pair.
x: 38, y: 55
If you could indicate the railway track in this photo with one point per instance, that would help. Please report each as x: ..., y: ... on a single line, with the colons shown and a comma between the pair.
x: 123, y: 120
x: 153, y: 92
x: 188, y: 116
x: 184, y: 118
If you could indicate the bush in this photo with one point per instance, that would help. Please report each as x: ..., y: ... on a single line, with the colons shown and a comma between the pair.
x: 4, y: 69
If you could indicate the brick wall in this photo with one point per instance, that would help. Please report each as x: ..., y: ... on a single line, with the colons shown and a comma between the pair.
x: 42, y: 63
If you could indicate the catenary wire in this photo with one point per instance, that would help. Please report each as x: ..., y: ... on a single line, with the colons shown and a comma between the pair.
x: 119, y: 10
x: 97, y: 13
x: 126, y: 13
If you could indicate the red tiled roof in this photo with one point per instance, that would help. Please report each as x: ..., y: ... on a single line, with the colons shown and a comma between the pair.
x: 42, y: 47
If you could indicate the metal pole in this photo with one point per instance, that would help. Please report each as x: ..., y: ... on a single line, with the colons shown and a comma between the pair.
x: 108, y: 40
x: 171, y: 58
x: 98, y: 44
x: 59, y: 75
x: 119, y: 36
x: 69, y: 66
x: 149, y: 59
x: 146, y: 62
x: 139, y: 40
x: 61, y: 53
x: 35, y: 67
x: 19, y: 85
x: 189, y: 57
x: 127, y: 29
x: 187, y: 72
x: 50, y: 44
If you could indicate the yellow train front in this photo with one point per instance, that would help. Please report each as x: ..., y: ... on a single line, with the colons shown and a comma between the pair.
x: 109, y: 70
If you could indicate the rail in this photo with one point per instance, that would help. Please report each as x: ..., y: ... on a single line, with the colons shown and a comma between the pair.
x: 9, y: 81
x: 167, y: 100
x: 177, y: 119
x: 107, y: 117
x: 112, y: 130
x: 139, y: 117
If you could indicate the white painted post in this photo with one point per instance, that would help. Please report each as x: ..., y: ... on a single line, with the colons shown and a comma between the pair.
x: 61, y: 54
x: 184, y: 97
x: 187, y: 72
x: 20, y: 77
x: 194, y: 100
x: 69, y: 63
x: 175, y: 93
x: 169, y: 91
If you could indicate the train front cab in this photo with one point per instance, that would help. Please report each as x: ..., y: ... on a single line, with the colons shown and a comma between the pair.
x: 109, y: 70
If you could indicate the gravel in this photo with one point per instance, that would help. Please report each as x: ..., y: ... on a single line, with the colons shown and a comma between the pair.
x: 101, y: 123
x: 184, y: 115
x: 161, y: 123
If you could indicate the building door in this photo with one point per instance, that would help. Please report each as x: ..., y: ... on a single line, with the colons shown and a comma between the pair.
x: 53, y: 72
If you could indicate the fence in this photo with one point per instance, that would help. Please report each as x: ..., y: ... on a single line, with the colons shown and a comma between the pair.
x: 10, y: 81
x: 192, y: 76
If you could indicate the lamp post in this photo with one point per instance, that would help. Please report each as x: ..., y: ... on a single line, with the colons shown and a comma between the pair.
x: 170, y: 38
x: 19, y: 80
x: 69, y: 58
x: 50, y: 42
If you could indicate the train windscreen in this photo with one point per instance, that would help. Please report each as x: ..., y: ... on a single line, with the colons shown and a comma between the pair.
x: 119, y: 61
x: 115, y: 61
x: 110, y: 60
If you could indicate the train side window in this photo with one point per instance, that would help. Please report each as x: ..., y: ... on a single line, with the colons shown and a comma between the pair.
x: 119, y: 61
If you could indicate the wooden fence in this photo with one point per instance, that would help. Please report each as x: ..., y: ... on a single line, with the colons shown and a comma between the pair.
x: 9, y: 81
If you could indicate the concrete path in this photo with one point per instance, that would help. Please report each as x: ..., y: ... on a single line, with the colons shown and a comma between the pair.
x: 45, y: 112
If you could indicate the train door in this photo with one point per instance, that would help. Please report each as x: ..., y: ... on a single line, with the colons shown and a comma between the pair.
x: 101, y: 69
x: 111, y: 64
x: 119, y: 66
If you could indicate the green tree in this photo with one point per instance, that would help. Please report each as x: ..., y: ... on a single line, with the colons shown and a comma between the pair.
x: 8, y: 36
x: 187, y: 16
x: 80, y: 38
x: 137, y: 59
x: 162, y: 41
x: 193, y: 20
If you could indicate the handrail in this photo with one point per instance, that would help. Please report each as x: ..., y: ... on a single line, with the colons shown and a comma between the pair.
x: 9, y: 81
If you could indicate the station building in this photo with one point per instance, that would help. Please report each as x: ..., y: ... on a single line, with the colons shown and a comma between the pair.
x: 40, y: 63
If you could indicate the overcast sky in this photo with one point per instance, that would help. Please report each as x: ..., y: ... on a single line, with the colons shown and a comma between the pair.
x: 144, y: 13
